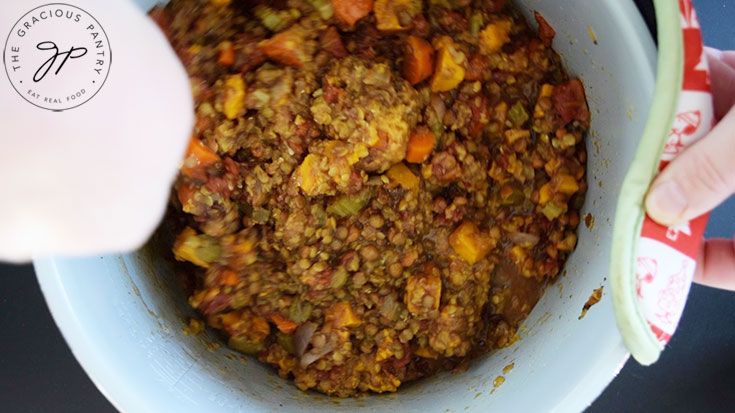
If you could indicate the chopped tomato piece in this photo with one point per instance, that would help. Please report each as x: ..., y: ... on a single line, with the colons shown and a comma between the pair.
x: 350, y: 11
x: 570, y: 102
x: 332, y: 43
x: 545, y: 32
x: 286, y: 47
x: 478, y: 67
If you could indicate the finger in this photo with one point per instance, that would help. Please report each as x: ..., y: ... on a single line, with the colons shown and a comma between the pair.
x: 725, y: 56
x: 722, y: 77
x: 716, y: 266
x: 711, y: 51
x: 728, y: 57
x: 698, y: 180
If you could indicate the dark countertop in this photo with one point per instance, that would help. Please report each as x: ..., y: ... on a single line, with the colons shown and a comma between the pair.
x: 696, y: 372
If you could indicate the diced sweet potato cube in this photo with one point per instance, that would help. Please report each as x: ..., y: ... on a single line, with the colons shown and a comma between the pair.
x: 341, y: 315
x: 513, y: 135
x: 500, y: 112
x: 386, y: 13
x: 469, y: 243
x: 260, y: 328
x: 494, y: 36
x: 448, y: 73
x: 544, y: 193
x: 564, y: 183
x: 546, y: 91
x: 306, y: 174
x: 234, y: 103
x: 200, y: 250
x: 384, y: 347
x: 518, y: 254
x: 400, y: 174
x: 245, y: 323
x: 426, y: 352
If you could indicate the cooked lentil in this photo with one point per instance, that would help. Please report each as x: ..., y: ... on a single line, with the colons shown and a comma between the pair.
x: 312, y: 241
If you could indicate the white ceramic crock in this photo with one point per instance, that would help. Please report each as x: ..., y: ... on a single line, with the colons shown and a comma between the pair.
x: 123, y: 315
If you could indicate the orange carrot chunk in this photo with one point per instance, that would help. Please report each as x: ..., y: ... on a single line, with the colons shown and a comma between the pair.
x: 186, y: 193
x: 198, y: 157
x: 226, y: 54
x: 283, y: 324
x: 286, y: 47
x: 420, y: 145
x: 350, y: 11
x: 418, y: 63
x: 229, y: 278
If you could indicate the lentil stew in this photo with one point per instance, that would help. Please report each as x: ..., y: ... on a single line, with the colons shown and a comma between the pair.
x: 375, y: 190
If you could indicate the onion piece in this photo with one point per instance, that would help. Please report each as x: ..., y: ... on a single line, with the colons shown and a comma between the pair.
x: 524, y: 239
x: 438, y: 105
x: 302, y: 336
x: 312, y: 356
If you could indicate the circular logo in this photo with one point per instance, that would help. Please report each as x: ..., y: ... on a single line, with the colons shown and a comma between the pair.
x: 57, y: 56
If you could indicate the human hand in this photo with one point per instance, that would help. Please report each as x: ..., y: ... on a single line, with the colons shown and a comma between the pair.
x: 703, y: 176
x: 94, y: 179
